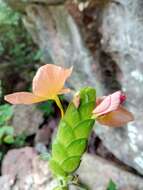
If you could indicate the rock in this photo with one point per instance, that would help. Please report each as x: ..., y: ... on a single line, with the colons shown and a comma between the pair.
x: 26, y: 119
x: 14, y: 165
x: 6, y: 182
x: 97, y: 172
x: 25, y: 169
x: 122, y: 37
x: 94, y: 172
x: 44, y: 134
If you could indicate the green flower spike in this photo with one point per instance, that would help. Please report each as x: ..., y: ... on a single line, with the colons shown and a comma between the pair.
x: 72, y: 136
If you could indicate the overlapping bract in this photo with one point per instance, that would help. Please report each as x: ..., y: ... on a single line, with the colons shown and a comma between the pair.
x: 72, y: 136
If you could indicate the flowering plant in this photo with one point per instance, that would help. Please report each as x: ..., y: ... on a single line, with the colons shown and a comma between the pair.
x: 76, y: 124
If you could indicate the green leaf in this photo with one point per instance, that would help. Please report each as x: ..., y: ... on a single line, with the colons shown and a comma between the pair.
x: 87, y: 94
x: 6, y: 130
x: 46, y: 107
x: 20, y: 140
x: 38, y: 55
x: 6, y: 112
x: 72, y: 115
x: 65, y: 133
x: 71, y: 164
x: 86, y: 110
x: 77, y: 147
x: 7, y: 15
x: 9, y: 139
x: 57, y: 169
x: 83, y: 129
x: 58, y: 152
x: 111, y: 186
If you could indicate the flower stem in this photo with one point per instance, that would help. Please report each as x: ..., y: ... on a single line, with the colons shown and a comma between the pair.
x: 57, y: 100
x: 61, y: 188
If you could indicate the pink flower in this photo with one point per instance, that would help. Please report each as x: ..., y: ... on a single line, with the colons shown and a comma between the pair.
x: 109, y: 110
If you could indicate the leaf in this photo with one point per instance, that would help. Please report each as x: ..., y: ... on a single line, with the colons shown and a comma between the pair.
x: 71, y: 164
x: 57, y: 169
x: 6, y: 130
x: 83, y: 129
x: 65, y: 133
x: 6, y: 112
x: 38, y: 55
x: 72, y: 115
x: 111, y: 186
x: 77, y: 147
x: 87, y: 94
x: 58, y: 152
x: 46, y: 107
x: 9, y: 139
x: 86, y: 109
x: 6, y: 135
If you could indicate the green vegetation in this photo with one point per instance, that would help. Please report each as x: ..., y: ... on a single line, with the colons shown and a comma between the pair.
x: 6, y: 131
x: 112, y: 186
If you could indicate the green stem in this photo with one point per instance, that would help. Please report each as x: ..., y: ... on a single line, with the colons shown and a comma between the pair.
x: 62, y: 188
x: 57, y: 100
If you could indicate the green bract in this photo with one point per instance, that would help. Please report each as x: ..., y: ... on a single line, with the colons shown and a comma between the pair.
x: 72, y: 136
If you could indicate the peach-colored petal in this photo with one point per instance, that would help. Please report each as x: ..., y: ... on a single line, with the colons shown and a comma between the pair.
x: 49, y: 80
x: 64, y: 91
x: 23, y: 98
x: 109, y: 103
x: 117, y: 118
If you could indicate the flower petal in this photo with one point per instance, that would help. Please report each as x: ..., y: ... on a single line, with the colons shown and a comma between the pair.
x: 109, y: 103
x: 117, y: 118
x: 49, y: 80
x: 23, y: 98
x: 64, y: 91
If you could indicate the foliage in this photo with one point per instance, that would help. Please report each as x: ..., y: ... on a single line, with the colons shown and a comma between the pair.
x: 6, y: 132
x: 111, y: 186
x: 7, y: 16
x: 72, y: 136
x: 16, y: 44
x: 7, y: 135
x: 6, y: 112
x: 46, y: 108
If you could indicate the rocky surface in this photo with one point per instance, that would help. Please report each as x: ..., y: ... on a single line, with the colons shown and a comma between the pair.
x: 122, y: 36
x: 23, y: 169
x: 97, y: 173
x: 26, y: 119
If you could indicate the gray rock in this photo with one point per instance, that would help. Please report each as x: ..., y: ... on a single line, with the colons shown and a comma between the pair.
x: 94, y: 172
x: 97, y: 172
x: 26, y: 119
x: 6, y: 182
x: 122, y: 37
x: 18, y: 162
x: 23, y: 169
